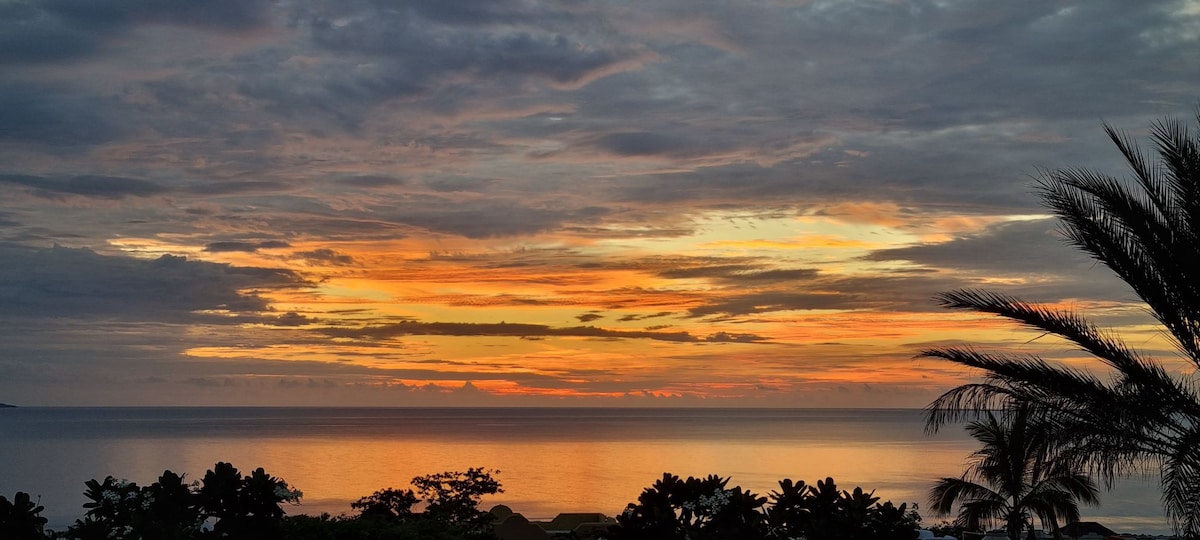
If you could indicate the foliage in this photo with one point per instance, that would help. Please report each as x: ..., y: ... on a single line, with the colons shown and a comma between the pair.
x: 324, y: 527
x: 1017, y: 475
x: 946, y: 528
x: 387, y: 504
x: 703, y: 509
x: 223, y: 505
x: 244, y: 507
x: 454, y: 496
x: 692, y: 509
x: 1146, y: 229
x: 451, y: 501
x: 20, y: 518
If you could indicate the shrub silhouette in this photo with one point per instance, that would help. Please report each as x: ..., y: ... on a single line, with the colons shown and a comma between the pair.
x: 704, y: 509
x: 387, y: 504
x: 21, y: 519
x: 451, y: 500
x: 230, y: 505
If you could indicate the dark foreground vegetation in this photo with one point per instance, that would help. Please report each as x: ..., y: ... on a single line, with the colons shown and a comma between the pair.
x: 224, y: 504
x: 1141, y: 414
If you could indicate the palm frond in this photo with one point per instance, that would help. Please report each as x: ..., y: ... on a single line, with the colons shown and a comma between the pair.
x: 1066, y: 324
x: 1119, y: 229
x: 1064, y: 421
x: 1148, y: 177
x: 948, y: 491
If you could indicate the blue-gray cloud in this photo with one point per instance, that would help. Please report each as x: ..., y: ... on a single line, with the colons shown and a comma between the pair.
x: 82, y: 284
x: 104, y: 187
x: 411, y: 328
x: 245, y: 247
x: 52, y: 116
x: 324, y: 256
x: 57, y: 30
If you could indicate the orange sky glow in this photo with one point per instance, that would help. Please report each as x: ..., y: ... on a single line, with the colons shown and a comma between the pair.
x: 510, y: 203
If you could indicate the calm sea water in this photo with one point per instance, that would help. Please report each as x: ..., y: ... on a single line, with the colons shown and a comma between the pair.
x: 550, y: 460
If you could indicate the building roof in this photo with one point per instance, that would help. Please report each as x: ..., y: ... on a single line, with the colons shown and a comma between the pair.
x: 1080, y: 528
x: 569, y: 521
x: 516, y: 527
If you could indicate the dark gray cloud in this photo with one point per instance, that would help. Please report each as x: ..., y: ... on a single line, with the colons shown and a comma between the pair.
x: 290, y: 318
x: 34, y: 32
x: 370, y: 56
x: 740, y: 274
x: 221, y: 15
x: 55, y: 116
x: 30, y: 33
x: 414, y: 328
x: 245, y: 247
x: 324, y: 256
x: 1013, y: 248
x: 914, y: 290
x: 640, y: 143
x: 635, y: 317
x: 104, y: 187
x: 490, y: 219
x: 79, y: 283
x: 372, y: 181
x: 239, y: 187
x: 458, y: 183
x: 422, y: 52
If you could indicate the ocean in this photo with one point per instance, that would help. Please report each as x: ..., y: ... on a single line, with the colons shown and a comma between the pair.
x: 549, y: 460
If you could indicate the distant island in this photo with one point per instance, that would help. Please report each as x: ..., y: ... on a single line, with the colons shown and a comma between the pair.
x: 7, y: 406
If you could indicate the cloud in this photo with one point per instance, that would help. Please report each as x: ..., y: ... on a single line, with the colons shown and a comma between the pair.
x: 29, y: 33
x: 240, y: 187
x: 50, y: 115
x: 290, y: 318
x: 324, y: 256
x: 244, y: 247
x: 418, y: 52
x: 372, y: 181
x: 103, y: 187
x: 640, y: 143
x: 79, y: 283
x: 220, y: 15
x: 537, y: 162
x: 636, y: 317
x: 523, y: 331
x: 1016, y: 247
x: 34, y: 32
x: 490, y: 219
x: 739, y: 273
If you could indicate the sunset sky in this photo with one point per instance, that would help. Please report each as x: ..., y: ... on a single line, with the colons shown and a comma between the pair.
x: 435, y: 202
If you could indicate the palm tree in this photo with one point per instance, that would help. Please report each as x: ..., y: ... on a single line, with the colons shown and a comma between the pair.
x: 1138, y: 417
x: 1022, y: 477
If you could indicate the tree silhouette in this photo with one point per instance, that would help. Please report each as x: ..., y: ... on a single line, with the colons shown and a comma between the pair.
x: 1143, y: 228
x: 21, y: 518
x: 223, y: 505
x: 706, y: 509
x: 1017, y: 475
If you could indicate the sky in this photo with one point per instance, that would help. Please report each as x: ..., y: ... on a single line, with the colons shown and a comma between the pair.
x: 574, y: 203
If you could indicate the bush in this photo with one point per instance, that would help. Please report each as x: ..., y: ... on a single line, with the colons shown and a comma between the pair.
x: 451, y: 502
x: 223, y: 505
x: 21, y: 519
x: 703, y: 509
